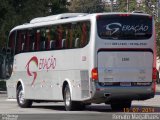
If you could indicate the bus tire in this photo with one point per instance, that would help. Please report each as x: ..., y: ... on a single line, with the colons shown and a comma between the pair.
x: 69, y: 104
x: 121, y: 105
x: 23, y: 103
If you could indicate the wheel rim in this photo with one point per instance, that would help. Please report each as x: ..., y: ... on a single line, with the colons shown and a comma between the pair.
x: 68, y: 98
x: 21, y: 96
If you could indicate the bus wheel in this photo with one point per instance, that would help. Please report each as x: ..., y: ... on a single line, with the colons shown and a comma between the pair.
x: 22, y: 102
x: 69, y: 104
x: 120, y: 105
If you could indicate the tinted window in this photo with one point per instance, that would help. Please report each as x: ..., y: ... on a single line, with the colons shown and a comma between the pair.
x: 128, y: 27
x: 11, y: 43
x: 53, y: 37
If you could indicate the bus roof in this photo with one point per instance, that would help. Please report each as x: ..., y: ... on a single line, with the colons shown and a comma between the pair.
x: 57, y: 17
x: 65, y: 18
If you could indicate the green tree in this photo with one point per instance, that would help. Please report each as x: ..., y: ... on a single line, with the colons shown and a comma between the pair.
x: 58, y: 6
x: 6, y: 12
x: 15, y: 12
x: 28, y: 9
x: 87, y: 6
x: 122, y: 5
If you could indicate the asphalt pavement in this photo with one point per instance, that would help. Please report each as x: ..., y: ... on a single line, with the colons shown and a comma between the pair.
x: 9, y: 110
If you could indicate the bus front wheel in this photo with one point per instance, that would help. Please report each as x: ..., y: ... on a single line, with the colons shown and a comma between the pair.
x: 22, y: 102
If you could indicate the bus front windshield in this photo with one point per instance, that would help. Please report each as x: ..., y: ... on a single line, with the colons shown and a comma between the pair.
x: 124, y: 27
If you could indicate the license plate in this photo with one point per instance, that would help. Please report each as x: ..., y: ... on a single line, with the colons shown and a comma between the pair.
x: 125, y: 84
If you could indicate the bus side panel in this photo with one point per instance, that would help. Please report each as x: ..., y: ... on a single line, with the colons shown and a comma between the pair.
x: 43, y: 74
x: 79, y: 83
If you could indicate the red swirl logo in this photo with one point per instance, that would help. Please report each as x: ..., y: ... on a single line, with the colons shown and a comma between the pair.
x: 34, y: 60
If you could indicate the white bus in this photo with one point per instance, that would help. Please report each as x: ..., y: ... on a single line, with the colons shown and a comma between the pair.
x: 82, y: 59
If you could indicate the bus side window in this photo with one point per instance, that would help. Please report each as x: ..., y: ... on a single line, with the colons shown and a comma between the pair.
x: 53, y: 38
x: 52, y: 44
x: 37, y: 40
x: 48, y: 38
x: 42, y: 46
x: 76, y: 35
x: 76, y: 43
x: 18, y: 48
x: 65, y: 40
x: 11, y: 43
x: 27, y: 41
x: 33, y: 46
x: 22, y: 46
x: 42, y: 39
x: 88, y: 26
x: 63, y: 43
x: 70, y: 31
x: 23, y: 41
x: 59, y: 35
x: 83, y: 35
x: 32, y: 40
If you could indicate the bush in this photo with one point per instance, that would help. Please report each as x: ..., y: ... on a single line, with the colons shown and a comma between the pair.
x: 3, y: 85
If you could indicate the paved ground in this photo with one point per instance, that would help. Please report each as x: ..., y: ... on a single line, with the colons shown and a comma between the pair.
x: 9, y: 110
x: 55, y: 111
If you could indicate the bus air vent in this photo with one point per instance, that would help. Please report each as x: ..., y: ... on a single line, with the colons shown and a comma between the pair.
x: 56, y: 17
